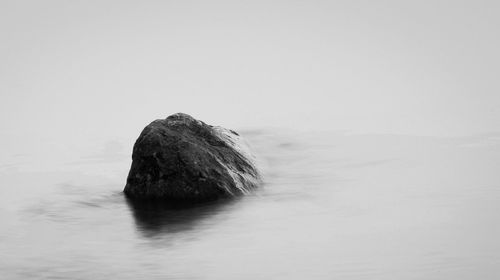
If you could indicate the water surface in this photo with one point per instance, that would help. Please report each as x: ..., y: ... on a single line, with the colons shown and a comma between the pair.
x: 334, y: 206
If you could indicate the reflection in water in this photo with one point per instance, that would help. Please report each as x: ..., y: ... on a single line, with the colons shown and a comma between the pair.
x: 155, y: 218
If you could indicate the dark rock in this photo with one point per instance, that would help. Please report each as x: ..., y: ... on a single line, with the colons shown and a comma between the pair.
x: 181, y: 159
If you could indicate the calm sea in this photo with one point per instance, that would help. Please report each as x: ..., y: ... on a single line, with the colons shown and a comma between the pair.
x: 334, y: 206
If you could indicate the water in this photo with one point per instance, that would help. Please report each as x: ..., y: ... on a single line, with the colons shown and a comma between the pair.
x: 334, y: 206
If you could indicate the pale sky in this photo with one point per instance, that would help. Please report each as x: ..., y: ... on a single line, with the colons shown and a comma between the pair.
x: 108, y: 68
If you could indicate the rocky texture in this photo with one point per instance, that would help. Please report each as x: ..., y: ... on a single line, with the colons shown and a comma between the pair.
x: 181, y: 159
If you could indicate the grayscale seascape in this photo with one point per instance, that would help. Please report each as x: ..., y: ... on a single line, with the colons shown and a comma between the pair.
x: 375, y: 125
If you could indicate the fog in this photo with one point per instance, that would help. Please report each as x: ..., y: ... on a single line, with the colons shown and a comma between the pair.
x: 84, y: 68
x: 376, y: 124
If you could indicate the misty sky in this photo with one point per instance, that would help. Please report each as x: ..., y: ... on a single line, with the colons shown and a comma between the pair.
x: 84, y: 69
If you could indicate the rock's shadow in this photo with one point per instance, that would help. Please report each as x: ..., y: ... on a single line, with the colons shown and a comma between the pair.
x: 154, y: 219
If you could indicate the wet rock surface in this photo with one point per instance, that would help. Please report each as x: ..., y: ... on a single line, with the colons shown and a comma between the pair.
x: 183, y: 160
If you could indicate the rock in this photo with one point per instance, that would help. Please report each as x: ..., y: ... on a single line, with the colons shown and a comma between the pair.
x: 181, y: 159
